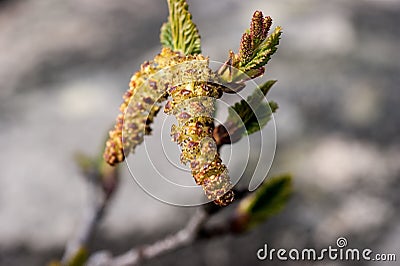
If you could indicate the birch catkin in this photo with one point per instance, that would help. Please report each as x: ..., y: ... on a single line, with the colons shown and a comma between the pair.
x: 192, y: 88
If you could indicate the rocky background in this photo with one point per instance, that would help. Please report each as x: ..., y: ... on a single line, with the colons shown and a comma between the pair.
x: 65, y: 64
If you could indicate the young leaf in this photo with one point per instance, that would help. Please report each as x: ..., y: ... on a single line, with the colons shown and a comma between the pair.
x: 180, y: 33
x: 264, y: 52
x: 242, y: 114
x: 266, y: 201
x: 166, y: 36
x: 256, y: 49
x: 264, y: 111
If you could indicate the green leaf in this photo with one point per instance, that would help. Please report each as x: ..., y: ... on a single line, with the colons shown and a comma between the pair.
x: 264, y: 52
x: 242, y: 114
x: 254, y: 124
x: 180, y: 33
x: 255, y: 51
x: 166, y: 36
x: 266, y: 201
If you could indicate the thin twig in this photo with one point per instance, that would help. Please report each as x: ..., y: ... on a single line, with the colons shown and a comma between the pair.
x: 93, y: 214
x: 182, y: 238
x: 193, y: 231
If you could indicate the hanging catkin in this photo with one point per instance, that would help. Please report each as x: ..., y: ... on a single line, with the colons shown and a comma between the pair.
x: 193, y: 89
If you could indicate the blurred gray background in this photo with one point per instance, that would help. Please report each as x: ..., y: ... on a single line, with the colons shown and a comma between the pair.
x: 65, y: 64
